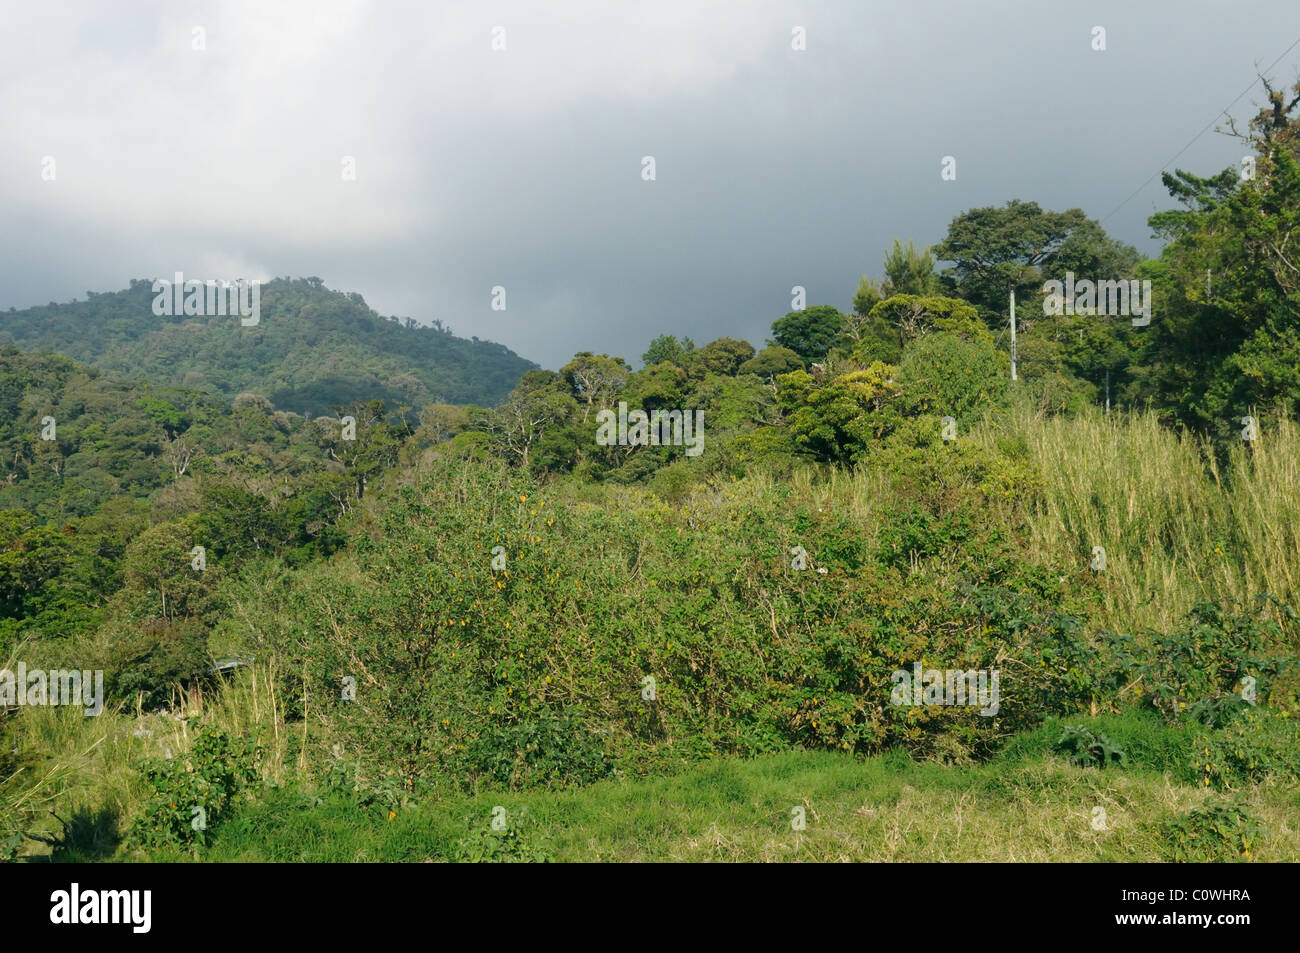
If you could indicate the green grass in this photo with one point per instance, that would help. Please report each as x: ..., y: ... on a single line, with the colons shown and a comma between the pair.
x: 1028, y: 804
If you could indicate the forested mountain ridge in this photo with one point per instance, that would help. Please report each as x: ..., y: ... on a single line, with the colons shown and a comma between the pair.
x: 312, y: 348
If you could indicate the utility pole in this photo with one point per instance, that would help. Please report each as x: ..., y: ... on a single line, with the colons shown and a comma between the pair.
x: 1013, y: 333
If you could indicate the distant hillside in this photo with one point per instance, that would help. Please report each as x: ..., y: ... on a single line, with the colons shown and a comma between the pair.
x: 74, y: 438
x: 312, y: 348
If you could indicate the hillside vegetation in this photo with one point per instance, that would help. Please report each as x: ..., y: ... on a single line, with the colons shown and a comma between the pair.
x: 642, y: 650
x: 311, y: 350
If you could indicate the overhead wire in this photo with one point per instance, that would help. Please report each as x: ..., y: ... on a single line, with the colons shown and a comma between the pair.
x: 1222, y: 112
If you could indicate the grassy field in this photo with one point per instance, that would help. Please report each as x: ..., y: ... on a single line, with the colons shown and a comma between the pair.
x: 1027, y: 804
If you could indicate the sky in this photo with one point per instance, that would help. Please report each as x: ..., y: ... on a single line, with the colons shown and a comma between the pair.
x: 138, y: 139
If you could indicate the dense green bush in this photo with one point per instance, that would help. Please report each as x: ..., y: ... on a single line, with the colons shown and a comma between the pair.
x: 521, y: 842
x: 190, y: 793
x: 1216, y: 832
x: 1257, y: 743
x: 544, y: 751
x: 1214, y: 653
x: 462, y: 671
x: 1088, y: 749
x: 946, y: 374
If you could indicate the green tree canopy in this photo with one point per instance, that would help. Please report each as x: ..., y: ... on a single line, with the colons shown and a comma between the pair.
x: 809, y: 333
x: 909, y: 271
x: 1226, y: 334
x: 667, y: 348
x: 723, y: 356
x: 771, y: 361
x: 1019, y: 246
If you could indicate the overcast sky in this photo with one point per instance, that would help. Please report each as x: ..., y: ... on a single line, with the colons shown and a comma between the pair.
x: 523, y: 167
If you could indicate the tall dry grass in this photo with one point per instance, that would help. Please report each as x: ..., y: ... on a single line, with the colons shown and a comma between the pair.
x: 65, y: 762
x: 1176, y: 527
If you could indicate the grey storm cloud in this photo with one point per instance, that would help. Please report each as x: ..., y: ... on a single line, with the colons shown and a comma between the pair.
x: 521, y: 167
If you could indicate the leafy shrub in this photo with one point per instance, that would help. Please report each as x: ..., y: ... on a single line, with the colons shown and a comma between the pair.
x: 9, y: 848
x: 944, y: 373
x: 153, y: 657
x: 906, y: 536
x: 1209, y: 657
x: 207, y: 778
x: 1087, y: 749
x: 520, y: 842
x: 674, y: 482
x: 465, y: 674
x: 472, y: 677
x: 544, y: 751
x: 1218, y: 710
x: 1256, y: 744
x: 1218, y: 832
x: 388, y: 789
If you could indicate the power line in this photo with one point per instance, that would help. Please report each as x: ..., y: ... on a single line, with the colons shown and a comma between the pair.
x: 1222, y: 112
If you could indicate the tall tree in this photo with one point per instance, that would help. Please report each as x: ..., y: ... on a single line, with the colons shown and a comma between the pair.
x: 995, y: 250
x: 909, y: 271
x: 594, y: 379
x: 1198, y: 195
x: 1228, y: 338
x: 723, y: 356
x: 667, y: 348
x: 541, y: 399
x: 868, y: 295
x: 809, y: 333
